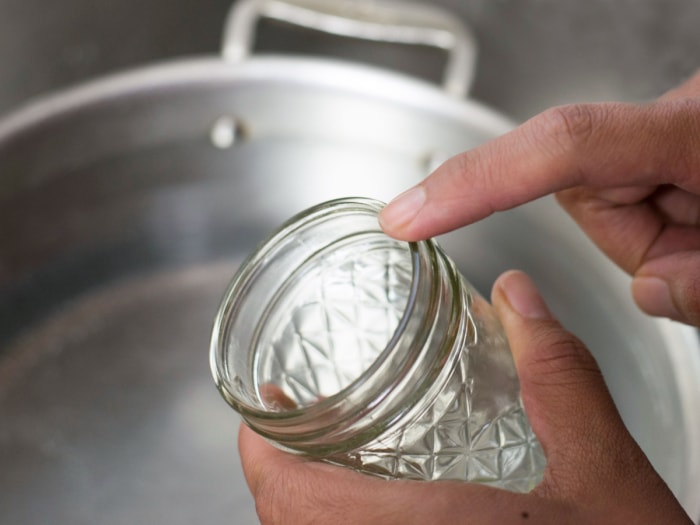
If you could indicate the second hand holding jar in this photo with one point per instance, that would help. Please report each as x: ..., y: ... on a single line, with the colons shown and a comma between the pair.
x: 338, y: 342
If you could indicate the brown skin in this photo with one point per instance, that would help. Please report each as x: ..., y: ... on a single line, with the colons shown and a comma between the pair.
x: 595, y: 474
x: 630, y: 176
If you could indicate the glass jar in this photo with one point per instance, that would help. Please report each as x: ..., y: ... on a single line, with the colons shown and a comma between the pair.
x: 336, y: 341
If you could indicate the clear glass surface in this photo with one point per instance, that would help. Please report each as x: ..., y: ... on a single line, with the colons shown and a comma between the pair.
x: 475, y: 429
x: 339, y: 342
x: 332, y: 318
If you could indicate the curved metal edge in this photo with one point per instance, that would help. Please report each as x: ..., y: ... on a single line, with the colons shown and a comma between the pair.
x: 319, y: 73
x: 687, y: 371
x: 393, y: 22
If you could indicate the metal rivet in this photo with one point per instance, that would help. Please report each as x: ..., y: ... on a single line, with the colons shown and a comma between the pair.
x: 225, y: 132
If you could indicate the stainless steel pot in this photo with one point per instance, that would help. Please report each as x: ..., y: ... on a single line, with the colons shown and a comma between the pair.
x: 127, y: 203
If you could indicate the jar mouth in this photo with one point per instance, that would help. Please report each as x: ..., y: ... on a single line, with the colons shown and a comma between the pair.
x: 329, y: 276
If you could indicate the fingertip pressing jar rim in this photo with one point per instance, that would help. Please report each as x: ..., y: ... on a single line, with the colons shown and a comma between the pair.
x: 341, y: 412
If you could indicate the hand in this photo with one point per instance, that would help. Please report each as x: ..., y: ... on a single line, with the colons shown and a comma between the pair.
x: 628, y: 174
x: 595, y: 472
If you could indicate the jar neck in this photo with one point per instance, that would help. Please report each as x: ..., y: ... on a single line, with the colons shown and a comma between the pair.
x: 425, y: 346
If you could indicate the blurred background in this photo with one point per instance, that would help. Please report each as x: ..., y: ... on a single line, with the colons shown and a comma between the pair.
x: 532, y: 54
x: 111, y: 267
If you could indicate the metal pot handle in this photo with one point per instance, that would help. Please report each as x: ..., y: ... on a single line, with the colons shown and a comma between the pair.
x: 393, y: 22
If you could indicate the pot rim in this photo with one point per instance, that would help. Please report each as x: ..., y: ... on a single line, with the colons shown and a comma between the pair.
x: 355, y: 79
x: 317, y: 72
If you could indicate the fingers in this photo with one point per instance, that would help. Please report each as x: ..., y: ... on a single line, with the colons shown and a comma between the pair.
x: 563, y: 389
x: 595, y: 145
x: 290, y: 490
x: 595, y: 472
x: 591, y: 458
x: 670, y: 287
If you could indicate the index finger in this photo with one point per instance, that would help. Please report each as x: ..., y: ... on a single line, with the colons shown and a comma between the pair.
x: 597, y: 145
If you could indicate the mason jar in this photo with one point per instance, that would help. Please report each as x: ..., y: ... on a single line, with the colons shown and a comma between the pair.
x: 338, y: 342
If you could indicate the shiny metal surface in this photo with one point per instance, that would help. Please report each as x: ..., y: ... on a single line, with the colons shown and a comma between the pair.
x: 120, y: 223
x: 108, y: 415
x: 532, y: 54
x: 123, y: 213
x: 397, y: 23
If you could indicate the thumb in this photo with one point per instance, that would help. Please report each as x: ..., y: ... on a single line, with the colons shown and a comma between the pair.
x: 670, y: 287
x: 590, y: 454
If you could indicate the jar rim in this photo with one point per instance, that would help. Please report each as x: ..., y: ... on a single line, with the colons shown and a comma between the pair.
x: 219, y: 348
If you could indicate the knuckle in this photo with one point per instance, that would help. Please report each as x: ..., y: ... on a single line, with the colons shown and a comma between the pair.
x: 680, y: 121
x: 561, y: 359
x: 464, y: 168
x: 570, y: 127
x: 461, y: 169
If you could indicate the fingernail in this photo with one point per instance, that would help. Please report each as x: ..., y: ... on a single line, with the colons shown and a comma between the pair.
x: 403, y: 208
x: 523, y: 295
x: 654, y: 297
